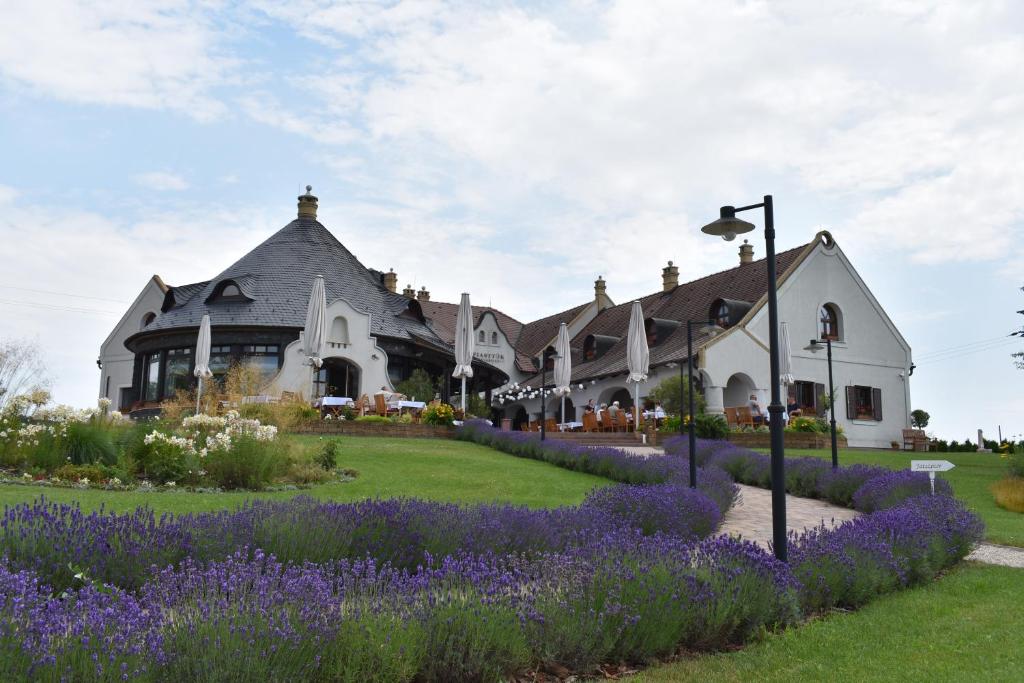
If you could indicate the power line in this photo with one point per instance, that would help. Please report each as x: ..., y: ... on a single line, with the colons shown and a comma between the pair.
x: 962, y: 346
x: 55, y: 307
x: 968, y: 352
x: 980, y: 347
x: 77, y: 296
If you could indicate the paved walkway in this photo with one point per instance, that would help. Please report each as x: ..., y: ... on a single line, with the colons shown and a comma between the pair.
x: 751, y: 519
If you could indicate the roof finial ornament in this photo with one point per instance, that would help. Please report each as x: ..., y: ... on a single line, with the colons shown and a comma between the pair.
x: 309, y: 190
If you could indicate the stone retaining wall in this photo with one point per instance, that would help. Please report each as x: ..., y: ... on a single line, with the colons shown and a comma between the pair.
x: 792, y: 440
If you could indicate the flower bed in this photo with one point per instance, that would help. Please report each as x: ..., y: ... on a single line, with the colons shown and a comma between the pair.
x: 401, y: 590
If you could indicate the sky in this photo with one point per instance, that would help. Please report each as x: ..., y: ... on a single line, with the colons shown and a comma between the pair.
x: 536, y: 145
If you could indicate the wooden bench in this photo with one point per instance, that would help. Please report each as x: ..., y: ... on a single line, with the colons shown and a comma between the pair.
x: 915, y: 440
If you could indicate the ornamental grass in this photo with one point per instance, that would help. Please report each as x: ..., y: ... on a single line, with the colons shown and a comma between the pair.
x: 1009, y: 493
x: 409, y: 590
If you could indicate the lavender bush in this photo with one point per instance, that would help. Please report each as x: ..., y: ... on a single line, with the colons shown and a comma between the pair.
x: 409, y: 590
x: 886, y: 490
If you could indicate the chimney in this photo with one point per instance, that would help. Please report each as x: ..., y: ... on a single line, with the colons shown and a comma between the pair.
x: 746, y: 253
x: 599, y: 288
x: 409, y: 292
x: 391, y: 280
x: 307, y: 204
x: 423, y: 294
x: 669, y: 277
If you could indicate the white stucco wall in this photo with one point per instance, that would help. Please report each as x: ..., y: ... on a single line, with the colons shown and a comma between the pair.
x: 118, y: 362
x: 501, y: 354
x: 362, y: 351
x: 871, y: 352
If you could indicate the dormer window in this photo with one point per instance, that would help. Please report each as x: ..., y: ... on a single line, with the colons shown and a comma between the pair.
x: 494, y: 338
x: 721, y: 315
x: 482, y: 337
x: 728, y: 312
x: 228, y: 291
x: 828, y: 322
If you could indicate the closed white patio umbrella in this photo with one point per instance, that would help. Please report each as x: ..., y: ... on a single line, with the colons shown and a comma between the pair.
x: 202, y: 369
x: 464, y: 346
x: 785, y: 359
x: 314, y: 333
x: 563, y: 366
x: 638, y: 356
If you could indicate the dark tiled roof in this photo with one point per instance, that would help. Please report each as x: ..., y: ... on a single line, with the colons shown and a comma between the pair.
x: 278, y: 275
x: 538, y: 333
x: 688, y: 301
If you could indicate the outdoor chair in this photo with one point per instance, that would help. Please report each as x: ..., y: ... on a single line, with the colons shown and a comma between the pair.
x: 731, y: 417
x: 382, y: 406
x: 590, y: 422
x: 606, y: 422
x: 744, y: 417
x: 621, y: 422
x: 524, y: 426
x: 364, y: 407
x: 551, y: 425
x: 289, y: 397
x: 916, y: 440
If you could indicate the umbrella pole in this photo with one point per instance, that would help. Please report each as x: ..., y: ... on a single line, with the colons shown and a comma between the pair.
x: 636, y: 408
x: 199, y: 394
x: 563, y: 410
x: 463, y: 396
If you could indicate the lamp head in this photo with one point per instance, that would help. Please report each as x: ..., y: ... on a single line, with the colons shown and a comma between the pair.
x: 711, y: 328
x: 814, y: 346
x: 727, y: 226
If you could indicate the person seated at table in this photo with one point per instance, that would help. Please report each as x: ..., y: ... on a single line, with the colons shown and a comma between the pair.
x: 590, y: 407
x: 390, y: 396
x: 600, y: 411
x: 755, y: 409
x: 793, y: 409
x: 659, y: 412
x: 613, y: 410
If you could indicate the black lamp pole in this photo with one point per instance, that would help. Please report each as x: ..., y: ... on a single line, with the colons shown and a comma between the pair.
x: 728, y: 226
x: 543, y: 381
x: 815, y: 345
x: 692, y: 425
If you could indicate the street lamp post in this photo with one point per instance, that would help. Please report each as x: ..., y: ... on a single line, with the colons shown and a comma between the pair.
x: 727, y: 227
x: 814, y: 347
x: 692, y: 425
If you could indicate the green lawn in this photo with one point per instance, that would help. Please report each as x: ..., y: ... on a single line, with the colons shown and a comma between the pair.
x: 963, y: 627
x: 434, y: 469
x: 971, y: 478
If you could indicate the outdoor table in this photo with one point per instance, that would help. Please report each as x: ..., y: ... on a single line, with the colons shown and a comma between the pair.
x: 259, y: 399
x: 332, y: 404
x: 570, y: 426
x: 401, y: 405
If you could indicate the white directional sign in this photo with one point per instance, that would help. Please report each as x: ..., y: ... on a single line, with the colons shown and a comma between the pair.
x: 931, y: 467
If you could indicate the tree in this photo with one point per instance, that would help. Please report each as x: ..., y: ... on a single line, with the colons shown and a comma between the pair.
x: 667, y: 394
x: 22, y: 369
x: 419, y: 384
x: 919, y: 418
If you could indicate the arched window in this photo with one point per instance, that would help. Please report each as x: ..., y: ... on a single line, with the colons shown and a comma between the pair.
x: 339, y: 331
x: 231, y: 290
x: 147, y: 319
x: 494, y: 338
x: 828, y: 322
x: 721, y: 315
x: 482, y: 337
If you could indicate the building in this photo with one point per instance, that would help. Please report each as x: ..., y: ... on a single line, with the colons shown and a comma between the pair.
x: 378, y: 336
x: 820, y: 295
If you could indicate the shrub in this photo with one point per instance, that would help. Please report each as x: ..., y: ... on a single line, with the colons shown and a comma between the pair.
x: 806, y: 424
x: 307, y: 473
x: 438, y: 414
x: 712, y: 427
x: 670, y: 391
x: 89, y: 442
x: 839, y: 485
x: 892, y: 488
x: 1009, y: 494
x: 380, y: 419
x: 94, y: 473
x: 249, y: 464
x: 1016, y: 464
x: 919, y: 418
x: 327, y: 456
x: 418, y: 385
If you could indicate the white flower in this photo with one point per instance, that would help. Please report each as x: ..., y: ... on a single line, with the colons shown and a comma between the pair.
x: 26, y: 475
x: 115, y: 481
x: 170, y: 484
x: 104, y: 403
x: 84, y: 481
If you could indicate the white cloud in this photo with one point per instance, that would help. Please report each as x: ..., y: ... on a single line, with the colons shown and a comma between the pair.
x: 154, y: 55
x: 161, y: 180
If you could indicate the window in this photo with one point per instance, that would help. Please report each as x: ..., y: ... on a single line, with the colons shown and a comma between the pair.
x: 220, y: 362
x: 230, y: 290
x: 828, y: 322
x: 721, y: 315
x: 494, y: 338
x: 807, y: 398
x: 151, y: 378
x: 339, y: 331
x: 106, y: 389
x: 864, y: 403
x: 263, y: 356
x: 177, y: 375
x: 482, y: 337
x: 147, y: 319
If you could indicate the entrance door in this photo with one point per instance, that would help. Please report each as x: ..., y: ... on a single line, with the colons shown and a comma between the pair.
x: 338, y: 377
